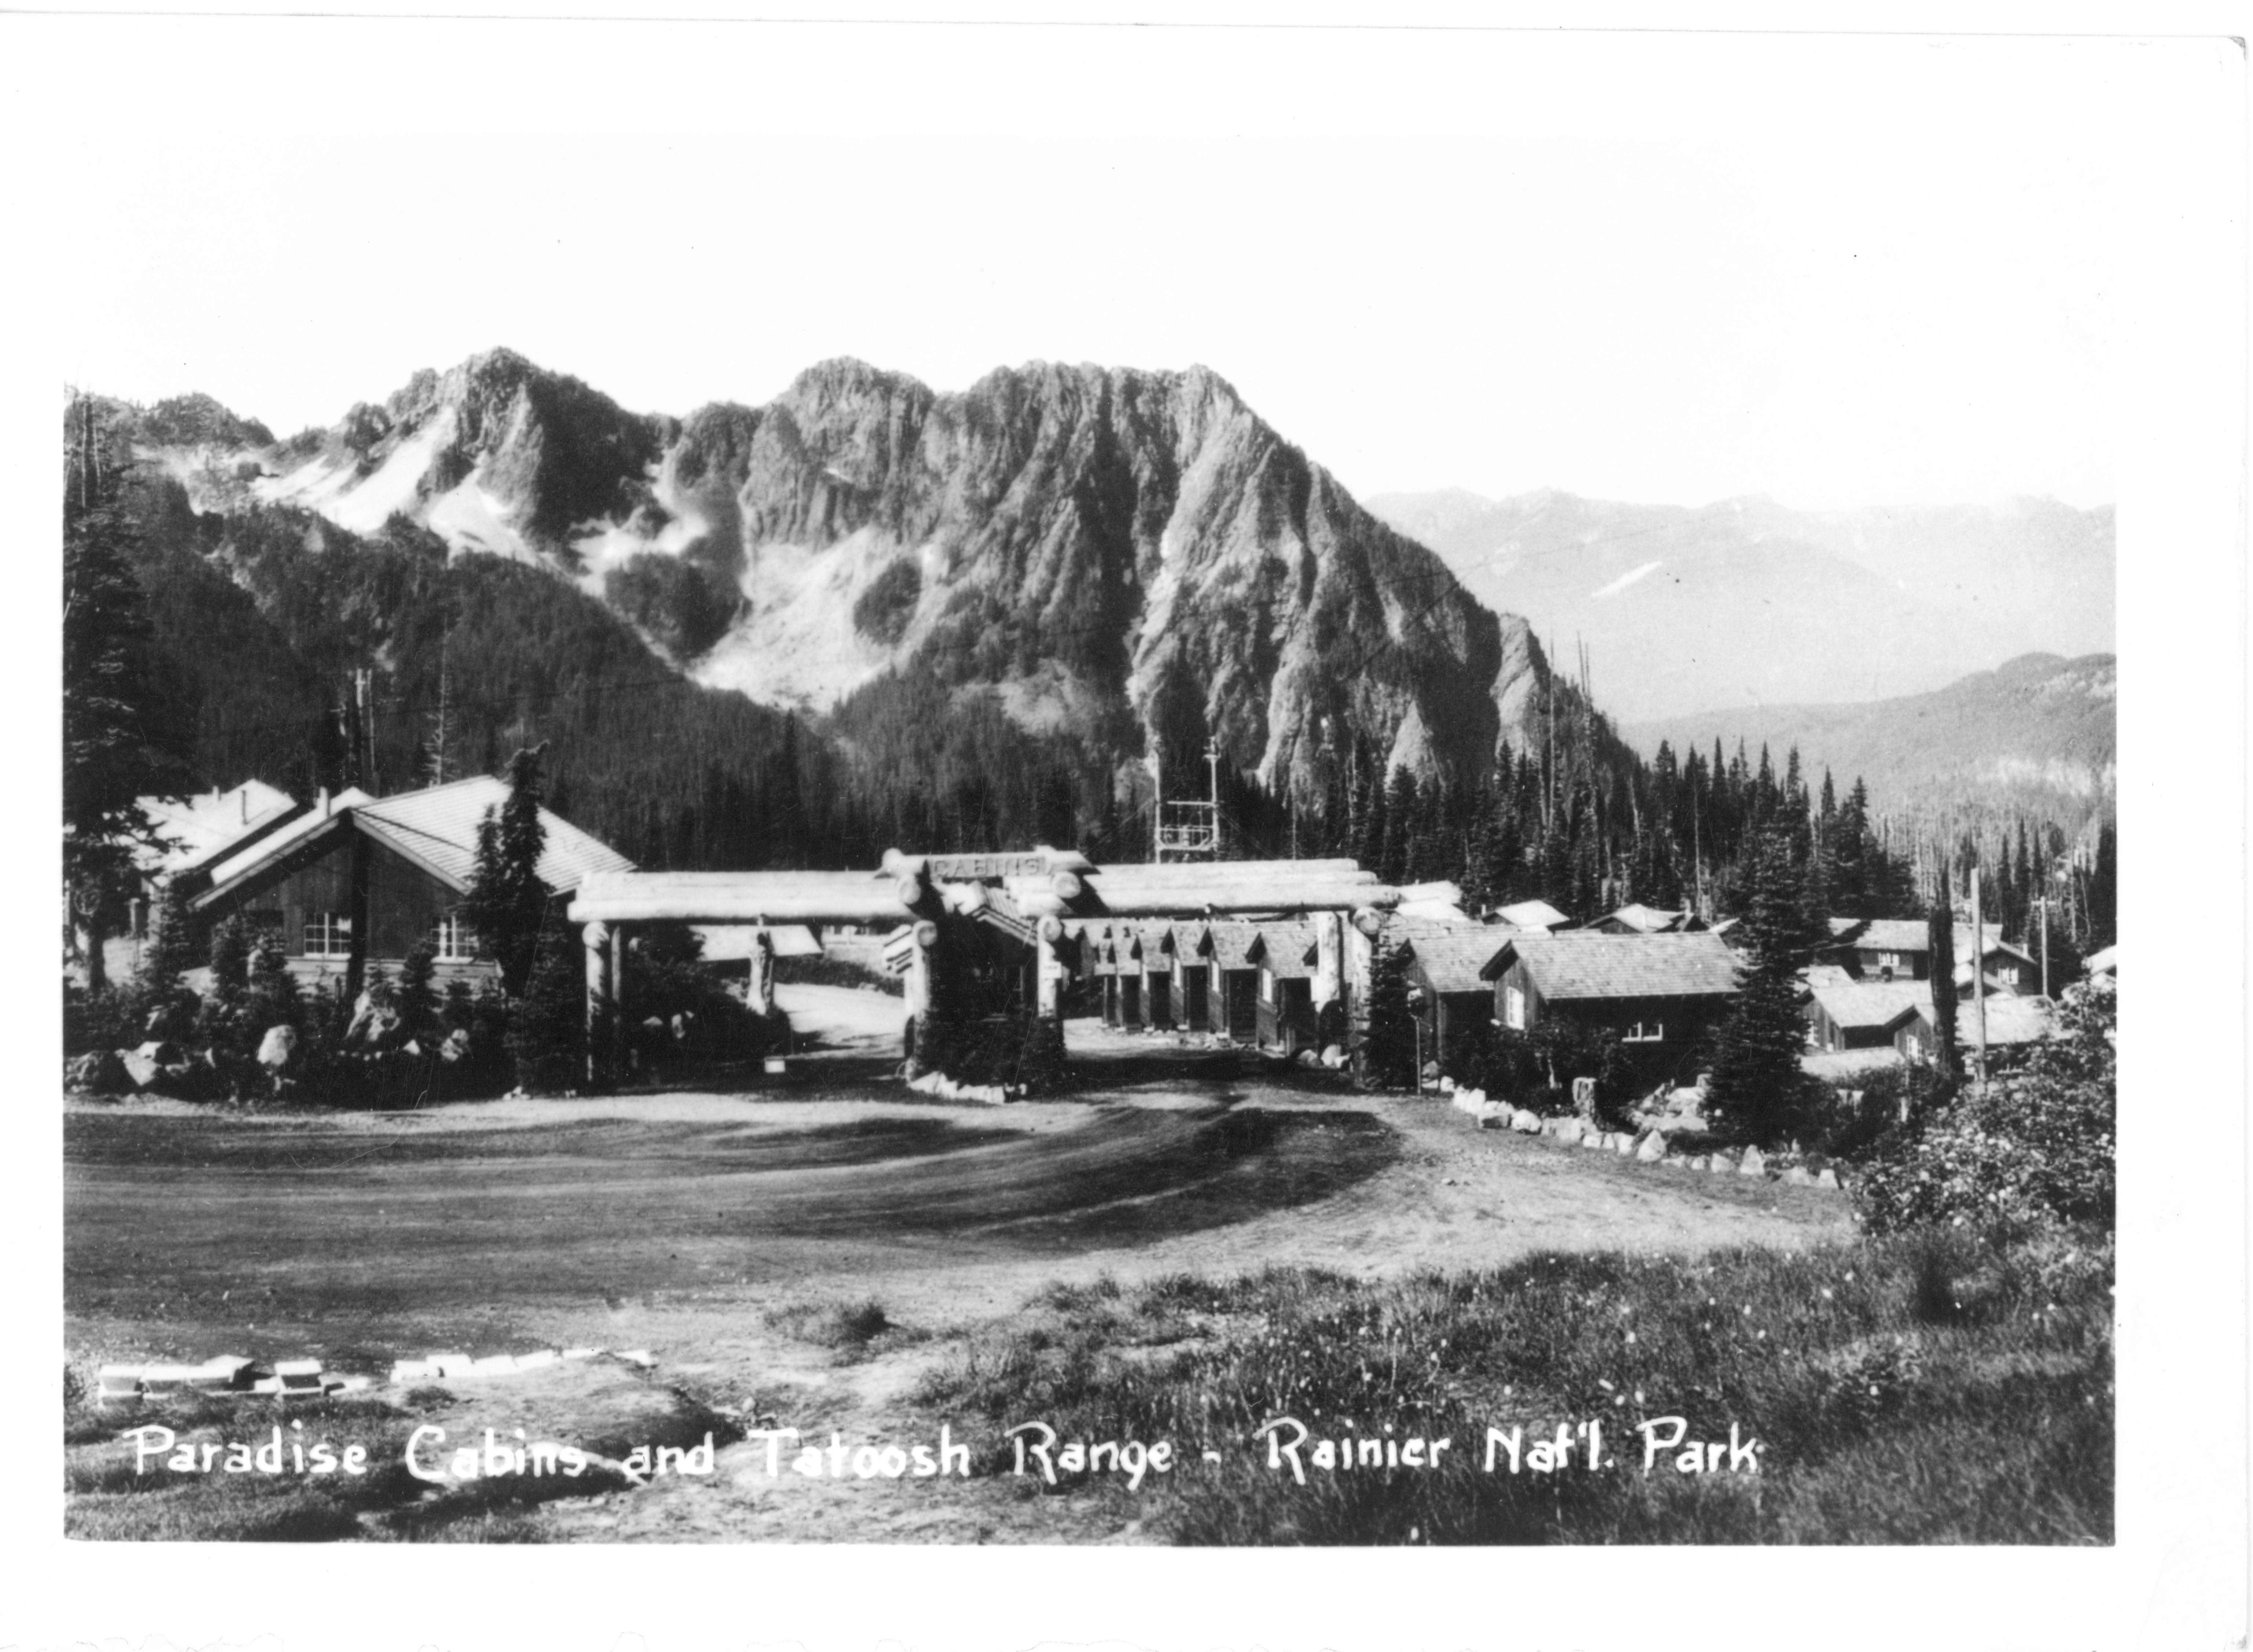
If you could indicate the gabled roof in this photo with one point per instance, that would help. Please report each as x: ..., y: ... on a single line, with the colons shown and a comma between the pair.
x: 1890, y: 935
x: 1286, y: 949
x: 1884, y: 1005
x: 1582, y: 966
x: 1229, y: 942
x: 1533, y: 915
x: 1646, y: 920
x: 436, y: 829
x: 2010, y: 1021
x: 1155, y: 945
x: 2105, y: 960
x: 203, y: 828
x: 1450, y: 959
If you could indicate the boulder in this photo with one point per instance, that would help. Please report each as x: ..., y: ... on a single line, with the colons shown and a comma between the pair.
x: 1333, y: 1058
x: 457, y: 1046
x: 98, y: 1071
x: 163, y: 1051
x: 1526, y: 1123
x: 1753, y: 1164
x: 1652, y: 1149
x: 1799, y: 1176
x: 1566, y: 1130
x: 1594, y: 1141
x: 373, y: 1024
x: 1701, y: 1162
x: 1827, y: 1178
x: 1431, y: 1071
x: 276, y: 1049
x: 140, y: 1070
x: 1623, y: 1143
x: 1446, y: 1085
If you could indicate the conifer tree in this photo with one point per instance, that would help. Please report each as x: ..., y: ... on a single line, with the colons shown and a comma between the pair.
x: 1399, y: 826
x: 546, y: 1024
x: 417, y: 995
x: 274, y: 998
x: 507, y: 902
x: 1388, y: 1045
x: 1756, y: 1072
x: 1940, y: 940
x: 173, y: 950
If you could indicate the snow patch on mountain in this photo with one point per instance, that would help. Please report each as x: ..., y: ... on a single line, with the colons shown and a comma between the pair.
x: 797, y: 644
x: 469, y: 517
x: 1628, y: 579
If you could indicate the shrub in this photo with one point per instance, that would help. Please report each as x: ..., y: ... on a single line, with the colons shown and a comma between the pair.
x: 2038, y: 1147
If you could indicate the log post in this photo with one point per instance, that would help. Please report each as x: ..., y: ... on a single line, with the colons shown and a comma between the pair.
x: 617, y: 1002
x: 602, y: 1011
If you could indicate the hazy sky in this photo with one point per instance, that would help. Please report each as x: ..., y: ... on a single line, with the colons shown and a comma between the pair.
x: 1666, y: 267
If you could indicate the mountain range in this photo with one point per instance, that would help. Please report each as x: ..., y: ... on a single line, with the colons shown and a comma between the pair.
x: 2038, y: 733
x: 1112, y: 553
x: 1748, y: 603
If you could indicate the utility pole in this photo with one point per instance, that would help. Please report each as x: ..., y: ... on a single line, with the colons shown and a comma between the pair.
x: 1979, y: 982
x: 2044, y: 903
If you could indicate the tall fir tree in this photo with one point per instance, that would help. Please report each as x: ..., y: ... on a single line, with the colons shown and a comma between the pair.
x: 1940, y: 940
x: 1388, y: 1044
x: 1756, y: 1072
x: 546, y: 1026
x: 507, y: 903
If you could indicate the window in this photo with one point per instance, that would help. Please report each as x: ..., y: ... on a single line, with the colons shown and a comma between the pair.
x: 454, y: 940
x: 1513, y: 1007
x: 328, y: 935
x: 1643, y: 1033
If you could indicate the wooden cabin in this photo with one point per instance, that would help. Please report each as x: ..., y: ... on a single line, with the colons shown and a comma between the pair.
x: 1284, y: 954
x: 363, y: 880
x: 1229, y: 950
x: 1862, y: 1015
x: 1444, y: 961
x: 1658, y: 994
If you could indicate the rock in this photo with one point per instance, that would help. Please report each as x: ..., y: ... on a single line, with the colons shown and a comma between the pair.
x: 1333, y: 1058
x: 1526, y: 1123
x: 372, y: 1024
x: 1492, y: 1121
x: 163, y: 1051
x: 1623, y: 1143
x: 1701, y: 1162
x: 276, y: 1049
x: 98, y: 1071
x: 1827, y: 1178
x: 1566, y: 1130
x: 1653, y: 1149
x: 1593, y: 1141
x: 457, y: 1046
x: 1753, y: 1164
x: 1799, y: 1176
x: 140, y: 1070
x: 1446, y: 1085
x: 1431, y: 1071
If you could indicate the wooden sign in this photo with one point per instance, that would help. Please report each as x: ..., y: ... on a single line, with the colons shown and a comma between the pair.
x: 962, y: 868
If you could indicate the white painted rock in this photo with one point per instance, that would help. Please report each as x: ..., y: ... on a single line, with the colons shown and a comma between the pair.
x: 277, y: 1047
x: 140, y: 1070
x: 1753, y: 1164
x: 1798, y: 1176
x: 1827, y: 1178
x: 1526, y: 1123
x: 1653, y: 1149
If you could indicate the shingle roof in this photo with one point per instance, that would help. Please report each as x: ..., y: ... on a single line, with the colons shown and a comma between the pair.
x: 1650, y: 920
x: 439, y: 826
x: 1533, y: 915
x: 1287, y: 948
x: 1229, y: 942
x: 282, y: 840
x: 2010, y: 1021
x: 1892, y: 935
x: 198, y: 829
x: 1585, y: 965
x: 1157, y: 957
x: 437, y: 829
x: 1451, y: 960
x: 1880, y: 1004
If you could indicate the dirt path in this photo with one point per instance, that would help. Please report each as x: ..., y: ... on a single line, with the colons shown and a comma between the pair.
x: 691, y: 1224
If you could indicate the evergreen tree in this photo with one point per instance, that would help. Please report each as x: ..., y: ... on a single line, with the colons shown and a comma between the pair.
x: 1401, y: 805
x: 273, y: 999
x: 547, y: 1025
x: 123, y: 737
x: 1940, y: 938
x: 1388, y: 1044
x: 417, y: 995
x: 1756, y: 1072
x: 230, y: 958
x: 507, y: 902
x: 173, y: 950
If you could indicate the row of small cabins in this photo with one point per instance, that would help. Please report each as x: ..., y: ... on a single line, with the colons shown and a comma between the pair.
x: 351, y: 881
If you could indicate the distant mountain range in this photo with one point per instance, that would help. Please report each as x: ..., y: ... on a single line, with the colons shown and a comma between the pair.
x: 1747, y: 602
x: 2040, y: 732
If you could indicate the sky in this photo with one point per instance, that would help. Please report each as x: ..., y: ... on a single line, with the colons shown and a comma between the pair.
x: 1666, y: 267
